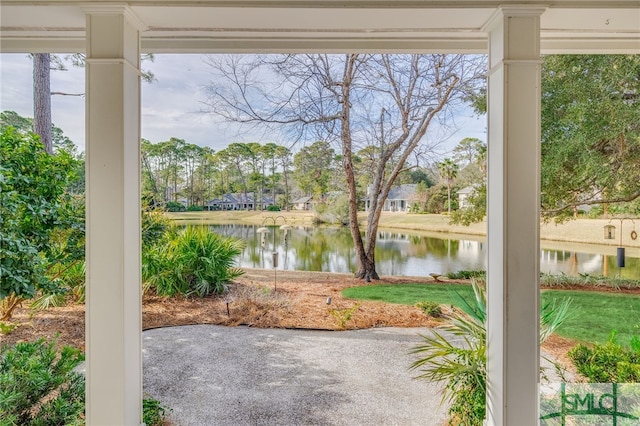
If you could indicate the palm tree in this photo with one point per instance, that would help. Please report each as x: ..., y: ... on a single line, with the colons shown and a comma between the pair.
x: 448, y: 171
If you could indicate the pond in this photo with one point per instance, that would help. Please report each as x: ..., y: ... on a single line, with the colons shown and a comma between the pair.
x: 330, y: 249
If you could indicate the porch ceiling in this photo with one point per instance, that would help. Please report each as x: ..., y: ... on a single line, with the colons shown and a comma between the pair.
x: 210, y: 26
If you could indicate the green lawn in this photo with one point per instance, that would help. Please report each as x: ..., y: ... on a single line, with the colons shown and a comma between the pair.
x: 592, y: 315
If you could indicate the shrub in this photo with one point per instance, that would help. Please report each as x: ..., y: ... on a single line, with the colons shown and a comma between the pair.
x: 463, y: 364
x: 195, y: 208
x: 273, y: 208
x: 154, y: 227
x: 32, y: 185
x: 153, y: 412
x: 196, y: 261
x: 38, y: 385
x: 431, y: 309
x: 564, y: 280
x: 608, y: 363
x: 467, y: 275
x: 174, y: 206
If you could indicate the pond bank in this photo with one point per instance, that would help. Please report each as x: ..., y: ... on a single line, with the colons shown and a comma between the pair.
x: 584, y: 231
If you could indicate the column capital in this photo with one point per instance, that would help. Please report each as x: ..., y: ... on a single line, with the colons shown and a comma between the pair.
x: 512, y: 11
x: 116, y: 9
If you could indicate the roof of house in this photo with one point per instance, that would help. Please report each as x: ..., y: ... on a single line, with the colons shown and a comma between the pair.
x: 467, y: 190
x: 302, y: 200
x: 402, y: 192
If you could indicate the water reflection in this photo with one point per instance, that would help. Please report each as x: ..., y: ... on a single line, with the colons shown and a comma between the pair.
x: 330, y: 249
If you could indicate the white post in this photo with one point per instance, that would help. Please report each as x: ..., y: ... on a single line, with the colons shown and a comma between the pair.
x: 513, y: 352
x: 113, y: 300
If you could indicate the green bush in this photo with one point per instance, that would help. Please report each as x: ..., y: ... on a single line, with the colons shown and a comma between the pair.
x: 153, y: 412
x: 467, y: 275
x: 174, y: 206
x: 154, y: 227
x: 462, y: 364
x: 607, y: 363
x: 431, y: 309
x: 587, y: 280
x: 195, y: 208
x: 196, y: 261
x: 32, y: 198
x: 272, y: 208
x: 38, y: 385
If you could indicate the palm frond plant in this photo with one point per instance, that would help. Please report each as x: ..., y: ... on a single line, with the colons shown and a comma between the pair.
x: 196, y: 261
x: 457, y: 356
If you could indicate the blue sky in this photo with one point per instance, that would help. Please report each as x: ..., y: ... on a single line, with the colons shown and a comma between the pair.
x: 171, y: 105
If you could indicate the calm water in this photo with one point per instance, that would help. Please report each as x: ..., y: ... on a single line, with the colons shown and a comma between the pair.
x: 330, y: 249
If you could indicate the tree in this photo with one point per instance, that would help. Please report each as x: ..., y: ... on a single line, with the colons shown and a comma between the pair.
x: 468, y: 151
x: 590, y: 131
x: 353, y: 100
x: 590, y: 121
x: 32, y: 183
x: 237, y: 155
x: 283, y: 154
x: 448, y: 171
x: 42, y: 67
x: 313, y: 168
x: 42, y: 99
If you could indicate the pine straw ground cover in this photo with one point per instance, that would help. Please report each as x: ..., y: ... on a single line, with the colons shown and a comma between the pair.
x: 299, y: 301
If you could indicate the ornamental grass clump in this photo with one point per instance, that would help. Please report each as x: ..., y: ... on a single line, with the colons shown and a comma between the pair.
x: 458, y: 357
x: 194, y: 262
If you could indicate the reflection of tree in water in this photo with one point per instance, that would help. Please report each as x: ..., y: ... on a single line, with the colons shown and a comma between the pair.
x: 631, y: 269
x: 321, y: 248
x: 573, y: 264
x: 331, y: 249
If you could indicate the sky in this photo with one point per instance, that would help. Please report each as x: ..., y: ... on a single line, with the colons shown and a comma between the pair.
x: 172, y: 106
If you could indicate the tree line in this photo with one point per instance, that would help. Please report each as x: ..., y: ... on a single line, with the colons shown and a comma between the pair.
x: 179, y: 174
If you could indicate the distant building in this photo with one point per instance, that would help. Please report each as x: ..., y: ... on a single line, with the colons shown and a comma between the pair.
x: 238, y: 201
x: 400, y: 198
x: 303, y: 203
x: 463, y: 196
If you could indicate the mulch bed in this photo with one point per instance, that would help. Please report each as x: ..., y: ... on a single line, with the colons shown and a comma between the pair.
x: 299, y: 300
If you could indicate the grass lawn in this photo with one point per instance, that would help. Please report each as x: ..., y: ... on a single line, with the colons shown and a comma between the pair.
x: 592, y: 315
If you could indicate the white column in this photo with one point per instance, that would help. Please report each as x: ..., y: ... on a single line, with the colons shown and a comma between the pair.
x: 113, y: 300
x: 513, y: 353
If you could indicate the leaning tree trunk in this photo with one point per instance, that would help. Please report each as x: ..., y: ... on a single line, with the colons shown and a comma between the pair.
x: 42, y: 99
x: 365, y: 258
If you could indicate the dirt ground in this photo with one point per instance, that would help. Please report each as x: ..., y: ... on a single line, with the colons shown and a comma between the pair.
x: 307, y: 300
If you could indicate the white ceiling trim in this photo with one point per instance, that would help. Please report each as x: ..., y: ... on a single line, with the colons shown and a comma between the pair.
x: 205, y: 26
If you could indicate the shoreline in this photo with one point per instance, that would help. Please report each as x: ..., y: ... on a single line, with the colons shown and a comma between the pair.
x: 574, y: 232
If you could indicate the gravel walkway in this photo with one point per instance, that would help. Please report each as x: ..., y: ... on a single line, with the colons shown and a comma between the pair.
x: 214, y: 375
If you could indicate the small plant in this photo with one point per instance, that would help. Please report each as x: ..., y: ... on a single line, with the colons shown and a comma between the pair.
x: 153, y: 412
x: 39, y: 385
x: 343, y: 315
x: 431, y: 309
x: 608, y: 363
x: 7, y: 327
x: 273, y: 208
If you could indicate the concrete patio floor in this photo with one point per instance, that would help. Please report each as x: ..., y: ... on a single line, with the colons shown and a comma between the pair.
x: 215, y: 375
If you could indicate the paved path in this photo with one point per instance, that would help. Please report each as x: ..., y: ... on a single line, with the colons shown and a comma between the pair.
x: 214, y: 375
